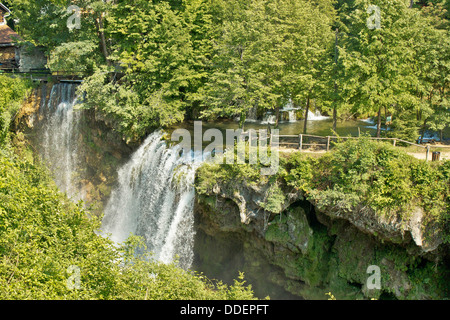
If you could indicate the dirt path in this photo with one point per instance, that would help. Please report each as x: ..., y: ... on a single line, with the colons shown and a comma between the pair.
x: 418, y: 155
x: 423, y: 155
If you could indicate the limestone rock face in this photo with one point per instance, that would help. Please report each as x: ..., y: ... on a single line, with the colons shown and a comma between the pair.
x: 394, y: 229
x: 250, y: 198
x: 310, y: 250
x: 101, y: 150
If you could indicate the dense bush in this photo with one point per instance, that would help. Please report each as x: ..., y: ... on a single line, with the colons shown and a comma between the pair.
x: 12, y: 93
x: 51, y: 248
x: 374, y: 174
x: 356, y: 172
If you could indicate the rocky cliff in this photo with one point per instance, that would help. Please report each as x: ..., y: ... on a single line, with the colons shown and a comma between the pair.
x: 287, y: 245
x: 310, y: 251
x: 101, y: 150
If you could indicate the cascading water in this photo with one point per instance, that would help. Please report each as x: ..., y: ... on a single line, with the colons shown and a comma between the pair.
x: 292, y: 117
x: 155, y: 193
x: 58, y: 146
x: 251, y: 115
x: 269, y: 119
x: 315, y: 116
x: 154, y: 199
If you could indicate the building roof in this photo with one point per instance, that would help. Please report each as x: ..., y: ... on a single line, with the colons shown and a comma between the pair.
x: 7, y: 35
x: 4, y: 8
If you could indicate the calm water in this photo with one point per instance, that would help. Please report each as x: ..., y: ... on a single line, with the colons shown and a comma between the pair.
x: 316, y: 127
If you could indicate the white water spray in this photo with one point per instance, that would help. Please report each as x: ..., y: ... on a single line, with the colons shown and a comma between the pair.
x: 315, y: 116
x: 58, y: 146
x: 154, y: 199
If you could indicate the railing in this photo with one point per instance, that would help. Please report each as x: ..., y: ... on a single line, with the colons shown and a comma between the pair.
x: 45, y: 73
x: 323, y: 143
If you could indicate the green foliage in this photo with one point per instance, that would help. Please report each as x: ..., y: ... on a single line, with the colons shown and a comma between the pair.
x: 79, y: 58
x: 155, y: 63
x: 375, y: 174
x: 401, y: 67
x: 360, y: 172
x: 275, y: 198
x: 12, y: 93
x: 42, y: 234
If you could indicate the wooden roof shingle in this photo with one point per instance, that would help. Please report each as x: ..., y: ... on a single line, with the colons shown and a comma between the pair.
x: 7, y: 35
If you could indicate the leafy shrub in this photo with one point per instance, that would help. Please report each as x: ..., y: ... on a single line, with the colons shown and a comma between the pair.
x: 356, y: 172
x: 43, y: 234
x: 12, y: 93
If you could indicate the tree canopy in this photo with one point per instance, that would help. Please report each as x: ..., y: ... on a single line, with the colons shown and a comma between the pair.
x: 148, y: 64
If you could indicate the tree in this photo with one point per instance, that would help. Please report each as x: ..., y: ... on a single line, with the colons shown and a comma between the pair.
x: 229, y: 89
x: 270, y: 52
x: 305, y: 42
x: 434, y: 55
x: 378, y: 61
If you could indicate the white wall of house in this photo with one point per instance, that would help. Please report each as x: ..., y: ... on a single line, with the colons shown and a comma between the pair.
x: 30, y: 58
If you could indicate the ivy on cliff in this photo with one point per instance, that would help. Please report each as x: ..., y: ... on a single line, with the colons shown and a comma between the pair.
x: 375, y: 174
x: 356, y: 172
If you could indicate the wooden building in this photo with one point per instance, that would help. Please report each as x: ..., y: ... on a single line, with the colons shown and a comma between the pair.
x: 8, y: 38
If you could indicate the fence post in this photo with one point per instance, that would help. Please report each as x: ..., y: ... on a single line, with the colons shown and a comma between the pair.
x: 300, y: 142
x: 328, y: 143
x: 428, y: 152
x: 395, y: 142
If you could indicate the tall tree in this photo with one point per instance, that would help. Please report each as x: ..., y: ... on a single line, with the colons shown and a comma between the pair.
x: 378, y: 58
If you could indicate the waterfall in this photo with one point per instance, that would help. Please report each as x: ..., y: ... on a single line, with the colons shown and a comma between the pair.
x: 252, y: 115
x: 292, y: 117
x: 269, y: 118
x: 154, y: 199
x: 290, y: 109
x: 154, y: 196
x: 58, y: 146
x: 315, y: 116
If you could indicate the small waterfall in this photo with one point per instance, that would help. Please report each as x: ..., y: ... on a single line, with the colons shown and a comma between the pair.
x: 252, y: 115
x: 292, y: 117
x: 315, y: 116
x: 290, y: 109
x: 269, y: 119
x: 155, y: 199
x: 58, y: 146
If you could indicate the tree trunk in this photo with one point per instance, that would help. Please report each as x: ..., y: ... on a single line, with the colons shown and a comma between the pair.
x: 306, y: 115
x: 335, y: 83
x: 424, y: 127
x: 379, y: 124
x: 385, y: 117
x: 242, y: 119
x: 334, y: 118
x: 101, y: 35
x: 277, y: 117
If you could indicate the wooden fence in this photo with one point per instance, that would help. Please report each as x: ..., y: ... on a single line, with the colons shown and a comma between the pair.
x: 43, y: 74
x: 324, y: 143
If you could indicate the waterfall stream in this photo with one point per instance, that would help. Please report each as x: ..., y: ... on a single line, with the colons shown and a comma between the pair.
x: 58, y: 146
x: 315, y: 116
x: 154, y: 196
x: 154, y: 199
